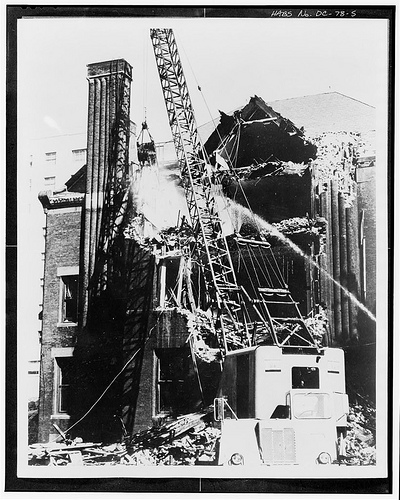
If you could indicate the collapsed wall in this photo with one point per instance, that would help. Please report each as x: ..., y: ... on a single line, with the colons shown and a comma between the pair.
x: 285, y: 176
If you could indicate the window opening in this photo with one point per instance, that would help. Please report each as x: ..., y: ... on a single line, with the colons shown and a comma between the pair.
x: 304, y: 377
x: 311, y: 405
x: 174, y: 372
x: 49, y: 181
x: 64, y: 390
x: 79, y: 155
x: 69, y: 299
x: 51, y: 159
x: 170, y: 282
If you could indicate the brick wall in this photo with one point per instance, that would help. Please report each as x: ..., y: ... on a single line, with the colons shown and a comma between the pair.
x: 169, y: 330
x: 63, y: 228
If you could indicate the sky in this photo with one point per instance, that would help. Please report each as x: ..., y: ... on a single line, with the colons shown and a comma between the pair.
x: 230, y: 59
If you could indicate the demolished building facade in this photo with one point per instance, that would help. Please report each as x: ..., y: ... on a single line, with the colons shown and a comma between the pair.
x: 121, y: 347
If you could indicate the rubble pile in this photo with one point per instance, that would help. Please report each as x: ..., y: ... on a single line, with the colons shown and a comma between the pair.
x: 188, y: 440
x: 360, y: 447
x: 176, y: 237
x: 134, y: 230
x: 201, y: 331
x: 75, y: 452
x: 318, y: 325
x: 196, y: 446
x: 171, y: 239
x: 301, y: 225
x: 270, y: 168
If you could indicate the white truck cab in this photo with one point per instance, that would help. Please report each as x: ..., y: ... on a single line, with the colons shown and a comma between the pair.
x: 278, y: 407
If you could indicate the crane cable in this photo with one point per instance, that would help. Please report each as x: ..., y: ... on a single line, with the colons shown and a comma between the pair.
x: 145, y: 66
x: 233, y: 161
x: 139, y: 349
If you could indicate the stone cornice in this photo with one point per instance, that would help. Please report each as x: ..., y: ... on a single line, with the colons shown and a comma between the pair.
x: 52, y: 201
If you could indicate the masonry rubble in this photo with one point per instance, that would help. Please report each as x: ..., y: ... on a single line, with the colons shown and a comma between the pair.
x: 188, y: 440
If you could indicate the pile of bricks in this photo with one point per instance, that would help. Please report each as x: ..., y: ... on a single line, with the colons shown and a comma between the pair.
x: 187, y: 440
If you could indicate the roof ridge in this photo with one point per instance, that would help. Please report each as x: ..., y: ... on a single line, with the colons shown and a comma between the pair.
x: 354, y: 99
x: 320, y: 94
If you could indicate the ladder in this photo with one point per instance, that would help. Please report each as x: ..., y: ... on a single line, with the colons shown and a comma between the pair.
x: 285, y: 318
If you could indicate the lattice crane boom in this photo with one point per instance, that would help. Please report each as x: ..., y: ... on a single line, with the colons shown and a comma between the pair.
x: 232, y: 301
x: 211, y: 244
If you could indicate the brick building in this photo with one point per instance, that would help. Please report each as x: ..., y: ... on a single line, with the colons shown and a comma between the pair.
x: 60, y: 302
x: 117, y: 352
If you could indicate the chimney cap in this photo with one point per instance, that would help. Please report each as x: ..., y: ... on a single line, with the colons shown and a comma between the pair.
x: 107, y: 68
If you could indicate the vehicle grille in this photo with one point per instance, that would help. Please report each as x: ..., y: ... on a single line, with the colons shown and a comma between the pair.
x: 278, y: 446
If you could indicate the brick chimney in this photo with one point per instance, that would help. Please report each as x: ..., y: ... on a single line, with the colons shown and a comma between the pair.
x: 107, y: 162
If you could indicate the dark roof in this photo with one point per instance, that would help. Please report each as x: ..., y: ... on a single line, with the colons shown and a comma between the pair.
x: 77, y: 182
x: 264, y: 135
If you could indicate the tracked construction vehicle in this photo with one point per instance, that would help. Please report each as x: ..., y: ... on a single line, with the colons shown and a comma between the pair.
x: 282, y: 397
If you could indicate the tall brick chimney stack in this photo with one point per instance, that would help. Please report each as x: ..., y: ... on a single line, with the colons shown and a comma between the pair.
x: 107, y: 161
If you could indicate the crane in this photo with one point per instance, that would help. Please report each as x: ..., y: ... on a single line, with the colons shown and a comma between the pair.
x: 277, y: 390
x: 239, y: 312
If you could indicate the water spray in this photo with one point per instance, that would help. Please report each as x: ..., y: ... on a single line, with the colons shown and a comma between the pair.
x: 263, y: 224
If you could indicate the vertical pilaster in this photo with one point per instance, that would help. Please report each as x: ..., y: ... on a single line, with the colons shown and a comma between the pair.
x: 344, y: 268
x: 107, y: 164
x: 336, y: 261
x: 353, y: 265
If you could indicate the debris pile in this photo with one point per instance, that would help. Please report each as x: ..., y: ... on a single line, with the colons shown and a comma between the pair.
x: 176, y: 237
x: 171, y: 239
x: 188, y: 440
x: 201, y: 333
x: 360, y: 445
x: 301, y: 225
x: 272, y: 167
x: 134, y: 230
x: 74, y: 452
x: 318, y: 325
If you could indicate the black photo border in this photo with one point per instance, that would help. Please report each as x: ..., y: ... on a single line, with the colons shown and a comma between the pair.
x: 173, y: 484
